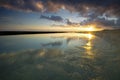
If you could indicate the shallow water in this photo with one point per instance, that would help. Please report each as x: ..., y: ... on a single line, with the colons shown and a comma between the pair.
x: 60, y: 56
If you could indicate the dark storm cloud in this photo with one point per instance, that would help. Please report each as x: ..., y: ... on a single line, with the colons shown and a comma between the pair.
x: 23, y: 5
x: 83, y: 6
x: 53, y: 18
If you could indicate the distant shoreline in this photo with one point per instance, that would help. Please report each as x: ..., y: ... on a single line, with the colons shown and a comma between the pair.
x: 2, y: 33
x: 24, y: 32
x: 34, y: 32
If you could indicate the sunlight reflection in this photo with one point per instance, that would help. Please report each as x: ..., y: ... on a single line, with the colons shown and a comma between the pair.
x: 90, y: 36
x: 89, y: 45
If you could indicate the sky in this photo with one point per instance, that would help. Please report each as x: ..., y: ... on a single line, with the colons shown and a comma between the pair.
x: 58, y: 15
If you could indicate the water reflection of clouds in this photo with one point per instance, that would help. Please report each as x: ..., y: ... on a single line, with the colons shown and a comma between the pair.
x: 75, y: 38
x: 72, y: 63
x: 53, y: 61
x: 57, y: 43
x: 68, y: 40
x: 43, y: 61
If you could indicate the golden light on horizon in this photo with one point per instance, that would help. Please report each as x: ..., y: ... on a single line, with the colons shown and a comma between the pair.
x: 91, y: 28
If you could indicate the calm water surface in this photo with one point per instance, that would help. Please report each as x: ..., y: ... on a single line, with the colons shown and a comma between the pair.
x: 60, y: 56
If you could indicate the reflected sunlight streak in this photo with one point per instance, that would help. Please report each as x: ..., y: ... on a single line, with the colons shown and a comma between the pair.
x: 88, y: 45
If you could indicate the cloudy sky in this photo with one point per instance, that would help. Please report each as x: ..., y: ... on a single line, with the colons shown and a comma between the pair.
x: 58, y: 14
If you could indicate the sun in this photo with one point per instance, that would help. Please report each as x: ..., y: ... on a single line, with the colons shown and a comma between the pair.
x: 92, y: 28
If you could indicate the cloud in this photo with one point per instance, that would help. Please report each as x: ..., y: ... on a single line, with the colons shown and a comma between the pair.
x: 85, y: 6
x: 53, y: 18
x: 67, y: 23
x: 23, y: 5
x: 82, y: 6
x: 91, y: 9
x: 108, y: 23
x: 104, y: 20
x: 70, y: 23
